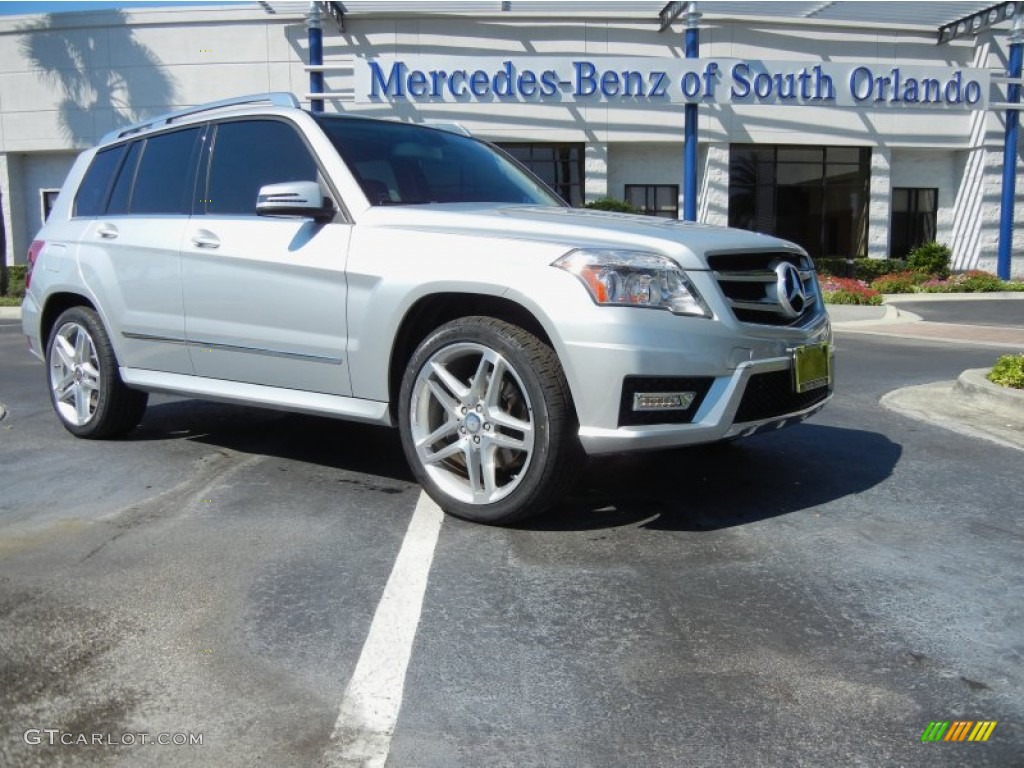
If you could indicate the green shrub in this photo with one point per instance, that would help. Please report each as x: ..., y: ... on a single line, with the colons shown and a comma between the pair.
x: 1008, y: 371
x: 976, y: 281
x: 930, y: 259
x: 611, y: 204
x: 852, y: 297
x: 15, y: 287
x: 972, y: 281
x: 871, y: 269
x: 901, y: 282
x: 859, y: 269
x: 836, y: 267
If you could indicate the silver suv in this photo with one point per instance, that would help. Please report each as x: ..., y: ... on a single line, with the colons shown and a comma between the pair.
x: 395, y: 274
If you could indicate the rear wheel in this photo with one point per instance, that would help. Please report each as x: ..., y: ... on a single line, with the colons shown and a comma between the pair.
x: 486, y: 421
x: 85, y: 386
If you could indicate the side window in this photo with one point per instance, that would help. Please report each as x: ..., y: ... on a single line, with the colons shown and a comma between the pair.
x: 92, y: 193
x: 248, y: 154
x: 166, y: 175
x: 123, y: 186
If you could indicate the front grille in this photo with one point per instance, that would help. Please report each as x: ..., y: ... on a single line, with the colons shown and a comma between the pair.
x: 751, y: 284
x: 769, y: 395
x: 633, y: 384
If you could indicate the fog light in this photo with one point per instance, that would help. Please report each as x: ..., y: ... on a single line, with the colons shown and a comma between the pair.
x: 662, y: 401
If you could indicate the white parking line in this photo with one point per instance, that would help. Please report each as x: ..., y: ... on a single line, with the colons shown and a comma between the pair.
x: 369, y: 708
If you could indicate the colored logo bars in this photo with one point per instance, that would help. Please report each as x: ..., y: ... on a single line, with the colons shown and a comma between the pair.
x: 958, y: 730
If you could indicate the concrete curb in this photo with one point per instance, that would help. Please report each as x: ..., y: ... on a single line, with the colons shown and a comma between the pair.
x: 892, y: 316
x: 897, y: 298
x: 10, y: 313
x: 973, y: 383
x: 971, y: 406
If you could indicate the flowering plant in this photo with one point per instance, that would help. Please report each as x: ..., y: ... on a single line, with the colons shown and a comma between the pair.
x: 843, y: 290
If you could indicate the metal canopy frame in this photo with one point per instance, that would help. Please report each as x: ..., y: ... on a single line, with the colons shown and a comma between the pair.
x: 975, y: 23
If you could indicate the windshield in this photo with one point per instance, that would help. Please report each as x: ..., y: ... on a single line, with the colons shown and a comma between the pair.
x: 403, y: 164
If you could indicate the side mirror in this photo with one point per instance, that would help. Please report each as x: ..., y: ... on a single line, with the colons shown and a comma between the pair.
x: 294, y: 198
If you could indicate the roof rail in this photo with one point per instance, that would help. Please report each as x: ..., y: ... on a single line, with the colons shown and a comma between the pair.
x: 276, y: 99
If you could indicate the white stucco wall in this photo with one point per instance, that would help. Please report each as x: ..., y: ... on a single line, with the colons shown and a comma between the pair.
x: 714, y: 185
x: 880, y: 202
x: 933, y: 169
x: 67, y: 79
x: 39, y: 171
x: 654, y: 163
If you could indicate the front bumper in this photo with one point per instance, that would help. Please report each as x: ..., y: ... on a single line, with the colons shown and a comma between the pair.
x: 749, y: 369
x: 716, y: 419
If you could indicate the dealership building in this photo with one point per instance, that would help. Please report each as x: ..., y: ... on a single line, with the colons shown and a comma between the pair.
x: 851, y: 128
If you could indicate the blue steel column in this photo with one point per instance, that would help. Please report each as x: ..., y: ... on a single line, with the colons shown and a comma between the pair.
x: 1010, y: 153
x: 692, y: 19
x: 316, y: 56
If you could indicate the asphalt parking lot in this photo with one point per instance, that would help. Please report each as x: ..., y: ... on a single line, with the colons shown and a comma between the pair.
x: 812, y: 596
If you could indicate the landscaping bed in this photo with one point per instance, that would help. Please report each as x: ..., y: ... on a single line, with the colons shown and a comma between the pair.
x: 925, y: 270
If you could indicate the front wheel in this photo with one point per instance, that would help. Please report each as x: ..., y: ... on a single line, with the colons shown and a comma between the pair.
x: 486, y: 421
x: 85, y: 386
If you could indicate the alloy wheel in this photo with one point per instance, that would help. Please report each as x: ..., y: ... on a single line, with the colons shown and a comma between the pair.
x: 472, y: 423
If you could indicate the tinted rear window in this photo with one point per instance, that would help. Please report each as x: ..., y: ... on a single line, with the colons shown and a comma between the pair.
x: 92, y: 194
x: 166, y: 175
x: 123, y: 186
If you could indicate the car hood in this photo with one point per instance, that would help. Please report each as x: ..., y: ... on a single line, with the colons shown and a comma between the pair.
x: 685, y: 242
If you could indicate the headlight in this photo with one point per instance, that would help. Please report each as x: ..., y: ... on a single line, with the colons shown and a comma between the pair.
x: 634, y: 279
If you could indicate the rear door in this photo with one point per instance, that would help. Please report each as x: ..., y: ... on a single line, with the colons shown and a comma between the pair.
x: 129, y: 251
x: 264, y: 296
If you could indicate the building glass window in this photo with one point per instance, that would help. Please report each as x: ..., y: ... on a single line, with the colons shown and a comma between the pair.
x: 47, y: 199
x: 815, y: 196
x: 560, y: 166
x: 914, y: 215
x: 655, y: 199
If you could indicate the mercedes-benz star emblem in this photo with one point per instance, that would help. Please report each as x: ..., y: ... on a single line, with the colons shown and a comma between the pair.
x: 790, y: 289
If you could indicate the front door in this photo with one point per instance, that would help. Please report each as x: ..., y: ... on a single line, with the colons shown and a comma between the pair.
x: 264, y: 296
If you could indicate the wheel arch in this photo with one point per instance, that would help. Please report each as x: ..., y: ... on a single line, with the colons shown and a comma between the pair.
x: 55, y: 305
x: 434, y: 310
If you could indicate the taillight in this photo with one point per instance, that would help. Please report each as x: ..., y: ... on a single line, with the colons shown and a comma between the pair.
x: 33, y: 254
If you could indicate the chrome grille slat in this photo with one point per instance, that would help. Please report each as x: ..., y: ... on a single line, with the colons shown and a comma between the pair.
x: 764, y: 306
x: 756, y: 276
x: 746, y: 277
x: 757, y: 306
x: 748, y: 282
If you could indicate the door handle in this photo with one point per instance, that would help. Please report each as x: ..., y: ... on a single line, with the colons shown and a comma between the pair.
x: 205, y: 239
x: 107, y: 231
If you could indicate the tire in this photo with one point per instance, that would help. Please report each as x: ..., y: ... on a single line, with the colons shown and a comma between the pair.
x: 85, y: 385
x: 491, y: 449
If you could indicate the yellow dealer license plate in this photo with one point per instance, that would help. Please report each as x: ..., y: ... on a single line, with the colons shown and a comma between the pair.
x: 811, y: 368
